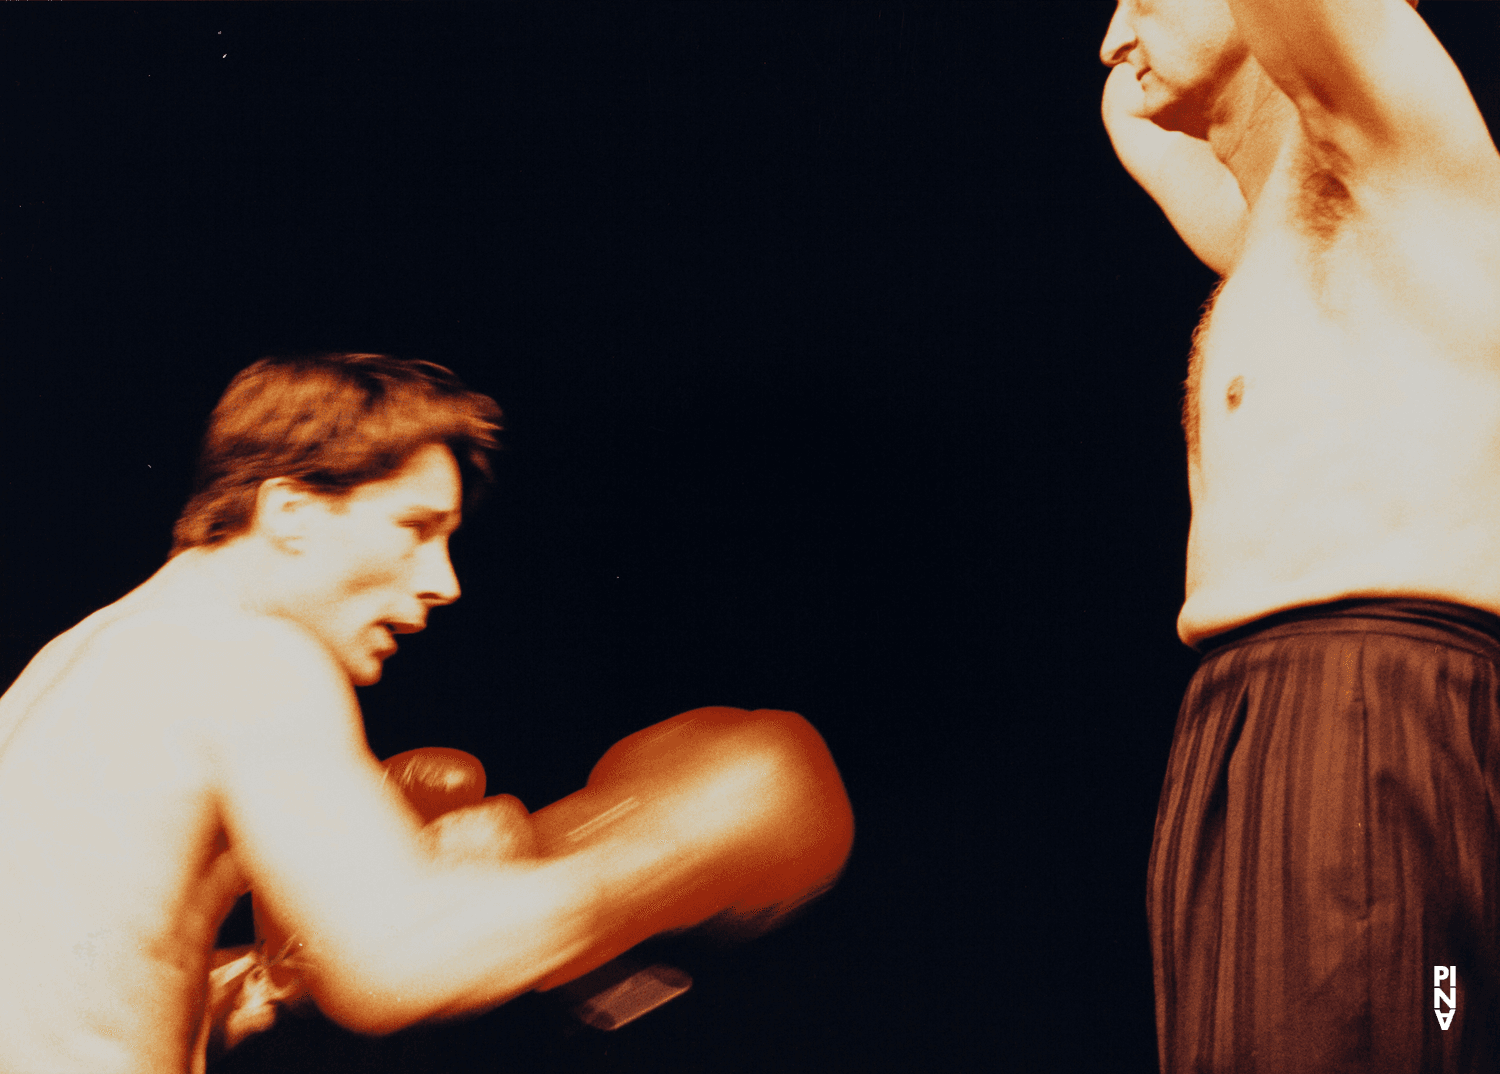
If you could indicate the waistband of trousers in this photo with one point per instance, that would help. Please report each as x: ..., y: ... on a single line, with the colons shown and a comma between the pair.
x: 1455, y: 625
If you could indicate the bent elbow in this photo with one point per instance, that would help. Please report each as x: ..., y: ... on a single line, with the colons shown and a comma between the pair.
x: 447, y: 966
x: 358, y: 1005
x: 375, y: 996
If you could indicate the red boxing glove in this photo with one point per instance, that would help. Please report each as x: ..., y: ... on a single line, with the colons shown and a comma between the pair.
x: 804, y: 828
x: 437, y: 780
x: 756, y: 800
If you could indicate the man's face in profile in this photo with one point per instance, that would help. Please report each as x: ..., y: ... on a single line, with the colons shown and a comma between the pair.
x: 372, y: 562
x: 1182, y: 52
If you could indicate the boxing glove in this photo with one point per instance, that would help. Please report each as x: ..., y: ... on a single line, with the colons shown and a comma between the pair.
x: 751, y: 804
x: 436, y: 779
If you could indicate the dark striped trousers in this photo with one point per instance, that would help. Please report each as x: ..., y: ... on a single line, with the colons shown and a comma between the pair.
x: 1326, y: 840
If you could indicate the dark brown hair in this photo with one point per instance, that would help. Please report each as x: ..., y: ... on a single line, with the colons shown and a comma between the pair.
x: 330, y: 421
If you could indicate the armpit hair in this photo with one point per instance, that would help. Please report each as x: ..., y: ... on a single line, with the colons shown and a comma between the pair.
x: 1324, y: 203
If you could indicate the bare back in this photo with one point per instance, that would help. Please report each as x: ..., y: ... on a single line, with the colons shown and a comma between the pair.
x: 1344, y: 415
x: 117, y: 872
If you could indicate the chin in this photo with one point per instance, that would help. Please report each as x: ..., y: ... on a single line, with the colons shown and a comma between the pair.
x: 366, y: 675
x: 1179, y: 107
x: 1176, y: 115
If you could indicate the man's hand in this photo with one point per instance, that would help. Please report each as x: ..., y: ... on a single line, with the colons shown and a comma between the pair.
x: 1196, y: 191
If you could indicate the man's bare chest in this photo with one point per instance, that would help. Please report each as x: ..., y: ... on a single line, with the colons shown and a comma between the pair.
x: 1331, y: 317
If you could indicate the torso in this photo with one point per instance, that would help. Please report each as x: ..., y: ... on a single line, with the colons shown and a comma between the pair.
x: 116, y: 870
x: 1346, y: 385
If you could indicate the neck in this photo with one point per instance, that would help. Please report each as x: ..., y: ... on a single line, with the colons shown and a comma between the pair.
x: 237, y: 574
x: 1253, y: 124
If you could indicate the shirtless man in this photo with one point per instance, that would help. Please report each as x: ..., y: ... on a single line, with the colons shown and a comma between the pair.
x: 201, y: 736
x: 1326, y: 847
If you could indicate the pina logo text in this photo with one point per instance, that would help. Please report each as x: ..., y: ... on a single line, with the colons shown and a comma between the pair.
x: 1440, y: 998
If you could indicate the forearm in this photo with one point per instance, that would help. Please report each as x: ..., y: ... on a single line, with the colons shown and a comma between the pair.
x: 709, y: 811
x: 468, y: 937
x: 1373, y: 89
x: 1310, y: 48
x: 1194, y: 189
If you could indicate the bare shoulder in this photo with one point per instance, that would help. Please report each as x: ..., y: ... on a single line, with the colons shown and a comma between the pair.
x: 111, y: 803
x: 205, y: 647
x: 243, y: 674
x: 256, y: 652
x: 209, y: 667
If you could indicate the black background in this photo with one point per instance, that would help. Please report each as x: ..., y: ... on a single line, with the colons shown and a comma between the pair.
x: 841, y: 368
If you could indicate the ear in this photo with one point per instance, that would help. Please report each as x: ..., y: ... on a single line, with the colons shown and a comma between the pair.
x: 283, y: 510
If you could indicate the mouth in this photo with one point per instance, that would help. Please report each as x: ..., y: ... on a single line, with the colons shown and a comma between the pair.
x: 389, y: 647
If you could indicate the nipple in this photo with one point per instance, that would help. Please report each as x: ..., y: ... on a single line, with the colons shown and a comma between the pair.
x: 1236, y: 393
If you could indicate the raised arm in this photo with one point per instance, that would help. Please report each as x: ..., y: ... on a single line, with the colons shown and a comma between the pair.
x: 1375, y: 90
x: 393, y: 931
x: 1198, y: 193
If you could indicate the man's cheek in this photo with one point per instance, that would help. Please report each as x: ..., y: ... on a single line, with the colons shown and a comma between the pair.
x: 373, y: 572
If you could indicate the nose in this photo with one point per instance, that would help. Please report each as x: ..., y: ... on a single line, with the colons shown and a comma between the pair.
x: 1119, y: 39
x: 436, y: 582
